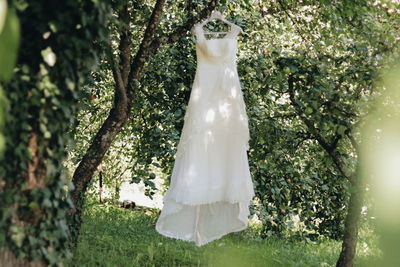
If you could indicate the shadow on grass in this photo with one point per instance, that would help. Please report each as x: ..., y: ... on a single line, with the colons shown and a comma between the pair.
x: 112, y: 236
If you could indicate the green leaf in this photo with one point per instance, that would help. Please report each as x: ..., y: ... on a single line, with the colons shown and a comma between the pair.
x: 17, y: 235
x: 47, y: 203
x: 9, y: 44
x: 136, y: 180
x: 3, y: 13
x: 49, y: 56
x: 341, y: 129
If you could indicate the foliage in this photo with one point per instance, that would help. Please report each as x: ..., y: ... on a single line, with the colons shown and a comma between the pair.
x: 311, y: 66
x: 9, y: 43
x: 307, y: 70
x: 326, y: 52
x: 55, y: 56
x: 112, y: 236
x: 9, y: 40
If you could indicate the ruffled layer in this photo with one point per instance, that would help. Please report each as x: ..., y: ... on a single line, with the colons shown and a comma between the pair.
x: 210, y: 168
x: 202, y: 223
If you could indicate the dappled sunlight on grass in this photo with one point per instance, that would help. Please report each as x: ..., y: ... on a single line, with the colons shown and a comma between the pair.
x: 112, y: 236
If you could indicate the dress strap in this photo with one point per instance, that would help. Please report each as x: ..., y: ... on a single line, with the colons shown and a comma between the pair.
x: 197, y: 30
x: 235, y: 30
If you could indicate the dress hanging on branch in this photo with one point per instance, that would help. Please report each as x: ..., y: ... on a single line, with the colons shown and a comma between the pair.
x: 211, y: 186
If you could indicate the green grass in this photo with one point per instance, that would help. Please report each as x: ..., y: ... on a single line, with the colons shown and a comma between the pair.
x: 113, y: 236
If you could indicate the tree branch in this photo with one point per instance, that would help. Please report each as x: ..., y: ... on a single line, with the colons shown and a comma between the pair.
x: 144, y: 51
x: 149, y: 46
x: 292, y: 20
x: 120, y: 92
x: 125, y: 44
x: 331, y: 150
x: 183, y: 29
x: 352, y: 140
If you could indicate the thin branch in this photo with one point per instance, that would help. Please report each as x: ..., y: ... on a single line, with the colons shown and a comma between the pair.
x: 120, y: 92
x: 144, y: 51
x: 306, y: 136
x: 292, y: 20
x: 279, y: 92
x: 336, y: 140
x: 183, y: 29
x: 125, y: 44
x: 283, y: 116
x: 331, y: 150
x: 190, y: 8
x: 150, y: 45
x: 352, y: 140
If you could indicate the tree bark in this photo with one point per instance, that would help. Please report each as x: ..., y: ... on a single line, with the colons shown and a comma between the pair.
x: 8, y: 259
x: 126, y: 75
x: 35, y: 177
x: 100, y: 168
x: 83, y: 174
x: 117, y: 189
x: 350, y: 236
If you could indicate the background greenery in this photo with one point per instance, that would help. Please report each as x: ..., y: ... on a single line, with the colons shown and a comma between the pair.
x: 310, y: 72
x: 331, y: 50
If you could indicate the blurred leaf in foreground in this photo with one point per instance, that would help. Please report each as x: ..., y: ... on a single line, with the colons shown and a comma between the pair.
x: 381, y: 154
x: 9, y: 40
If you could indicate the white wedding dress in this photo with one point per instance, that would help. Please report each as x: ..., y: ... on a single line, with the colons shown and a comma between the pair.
x: 211, y: 186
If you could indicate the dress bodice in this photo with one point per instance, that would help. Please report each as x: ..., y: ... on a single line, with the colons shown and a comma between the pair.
x: 216, y: 51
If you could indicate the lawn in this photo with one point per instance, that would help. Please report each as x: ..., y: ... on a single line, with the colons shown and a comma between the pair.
x: 113, y: 236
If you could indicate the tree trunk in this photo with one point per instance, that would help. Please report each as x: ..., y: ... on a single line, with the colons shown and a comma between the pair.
x: 356, y: 181
x: 8, y: 259
x: 84, y: 172
x: 100, y: 188
x: 117, y: 189
x: 125, y: 76
x: 349, y: 243
x: 117, y: 117
x: 100, y: 184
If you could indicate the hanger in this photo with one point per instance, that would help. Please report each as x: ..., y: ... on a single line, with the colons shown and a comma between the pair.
x: 219, y: 16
